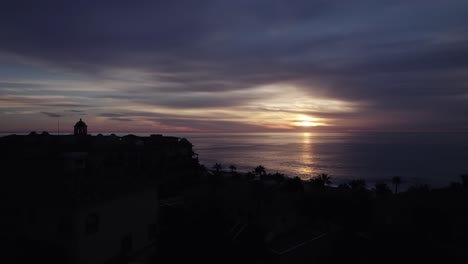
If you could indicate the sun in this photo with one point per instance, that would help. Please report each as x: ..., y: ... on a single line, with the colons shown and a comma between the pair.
x: 305, y: 121
x: 306, y: 124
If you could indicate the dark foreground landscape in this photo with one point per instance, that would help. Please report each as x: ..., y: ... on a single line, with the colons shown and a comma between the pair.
x: 110, y: 199
x: 306, y: 131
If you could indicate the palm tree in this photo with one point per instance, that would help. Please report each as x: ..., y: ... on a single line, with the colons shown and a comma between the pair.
x: 321, y: 180
x: 325, y: 178
x: 217, y: 168
x: 358, y: 184
x: 382, y: 189
x: 464, y: 178
x: 279, y: 177
x: 260, y: 170
x: 293, y: 184
x: 396, y: 181
x: 233, y: 168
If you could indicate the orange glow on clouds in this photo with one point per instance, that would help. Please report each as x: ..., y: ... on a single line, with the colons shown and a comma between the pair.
x: 307, y: 121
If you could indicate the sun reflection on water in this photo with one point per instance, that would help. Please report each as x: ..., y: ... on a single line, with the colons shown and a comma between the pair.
x: 306, y: 157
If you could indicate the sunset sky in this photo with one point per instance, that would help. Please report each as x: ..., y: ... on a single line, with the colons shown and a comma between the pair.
x: 234, y: 66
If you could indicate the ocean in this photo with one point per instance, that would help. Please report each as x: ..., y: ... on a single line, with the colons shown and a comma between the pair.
x: 436, y: 159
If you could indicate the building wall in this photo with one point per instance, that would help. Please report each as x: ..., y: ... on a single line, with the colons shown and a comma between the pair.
x: 128, y: 216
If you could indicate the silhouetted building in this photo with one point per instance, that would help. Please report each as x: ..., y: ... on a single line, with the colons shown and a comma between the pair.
x: 81, y: 129
x: 87, y: 199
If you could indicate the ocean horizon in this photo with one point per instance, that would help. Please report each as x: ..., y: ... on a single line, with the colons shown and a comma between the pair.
x: 436, y: 159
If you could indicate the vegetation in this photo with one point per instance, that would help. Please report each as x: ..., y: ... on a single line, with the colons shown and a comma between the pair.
x: 382, y: 190
x: 321, y: 180
x: 396, y: 182
x: 464, y: 178
x: 217, y: 167
x: 242, y: 217
x: 233, y: 168
x: 358, y: 184
x: 259, y: 170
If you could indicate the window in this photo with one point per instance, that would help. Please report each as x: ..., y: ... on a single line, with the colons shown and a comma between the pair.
x: 92, y: 223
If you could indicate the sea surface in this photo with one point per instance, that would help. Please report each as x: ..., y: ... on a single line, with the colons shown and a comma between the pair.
x: 436, y: 159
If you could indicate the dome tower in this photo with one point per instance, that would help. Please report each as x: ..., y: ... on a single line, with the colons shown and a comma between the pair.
x: 81, y: 129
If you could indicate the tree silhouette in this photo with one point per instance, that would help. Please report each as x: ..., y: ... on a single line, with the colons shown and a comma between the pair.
x: 293, y: 185
x: 321, y: 180
x: 250, y: 176
x: 382, y: 189
x: 358, y: 184
x: 418, y: 188
x: 233, y: 168
x: 259, y: 170
x: 278, y: 177
x: 343, y: 186
x: 217, y: 168
x: 464, y: 178
x: 396, y: 181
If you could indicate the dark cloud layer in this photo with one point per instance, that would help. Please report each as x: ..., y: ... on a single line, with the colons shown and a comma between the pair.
x: 39, y: 101
x: 400, y: 58
x: 51, y: 114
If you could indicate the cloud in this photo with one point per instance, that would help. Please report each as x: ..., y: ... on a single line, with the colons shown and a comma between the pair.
x: 209, y: 125
x: 51, y: 114
x: 378, y: 58
x: 34, y: 101
x: 13, y: 85
x: 128, y: 114
x: 121, y: 119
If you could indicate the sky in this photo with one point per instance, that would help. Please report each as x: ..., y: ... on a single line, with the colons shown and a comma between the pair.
x: 234, y: 66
